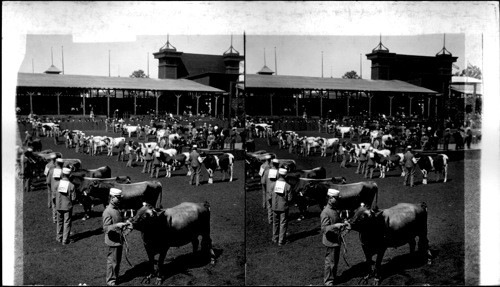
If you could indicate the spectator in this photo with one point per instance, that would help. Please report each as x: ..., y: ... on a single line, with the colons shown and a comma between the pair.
x: 468, y: 137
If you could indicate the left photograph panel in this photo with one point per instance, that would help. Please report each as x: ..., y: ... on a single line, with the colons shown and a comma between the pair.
x: 130, y: 161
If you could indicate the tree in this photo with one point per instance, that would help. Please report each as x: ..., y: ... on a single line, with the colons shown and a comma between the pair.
x: 351, y: 75
x: 139, y: 74
x: 471, y: 71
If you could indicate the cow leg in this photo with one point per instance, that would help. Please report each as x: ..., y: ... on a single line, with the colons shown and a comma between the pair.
x: 424, y: 173
x: 159, y: 271
x: 378, y: 264
x: 231, y: 172
x: 445, y: 171
x: 210, y: 176
x: 223, y: 174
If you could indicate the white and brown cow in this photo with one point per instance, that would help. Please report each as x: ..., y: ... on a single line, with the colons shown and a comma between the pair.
x: 223, y: 162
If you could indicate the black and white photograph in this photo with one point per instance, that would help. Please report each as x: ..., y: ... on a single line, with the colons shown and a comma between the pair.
x: 250, y: 143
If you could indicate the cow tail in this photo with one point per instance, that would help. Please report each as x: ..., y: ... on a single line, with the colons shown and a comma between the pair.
x: 424, y: 206
x: 376, y: 196
x: 206, y: 205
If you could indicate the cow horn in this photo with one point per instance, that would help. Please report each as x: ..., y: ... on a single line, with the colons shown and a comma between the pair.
x: 144, y: 204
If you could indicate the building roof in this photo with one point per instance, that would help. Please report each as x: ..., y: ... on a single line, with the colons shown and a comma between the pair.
x: 314, y: 83
x: 53, y: 70
x: 466, y: 89
x: 464, y: 80
x: 196, y: 64
x: 265, y: 71
x: 100, y: 82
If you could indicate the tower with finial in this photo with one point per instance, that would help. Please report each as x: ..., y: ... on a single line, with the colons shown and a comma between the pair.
x: 232, y: 59
x: 169, y: 60
x: 381, y: 59
x: 52, y: 69
x: 265, y: 70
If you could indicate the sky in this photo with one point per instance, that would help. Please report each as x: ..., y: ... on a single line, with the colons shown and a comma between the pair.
x: 300, y: 55
x: 114, y: 25
x: 117, y: 58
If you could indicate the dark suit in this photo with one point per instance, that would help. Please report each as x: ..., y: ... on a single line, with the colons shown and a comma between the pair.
x: 409, y: 168
x: 331, y: 239
x: 114, y: 239
x: 279, y: 205
x: 196, y: 166
x: 63, y: 202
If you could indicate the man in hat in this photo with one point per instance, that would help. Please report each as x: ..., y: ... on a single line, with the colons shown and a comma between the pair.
x: 331, y: 226
x: 63, y: 200
x: 270, y: 175
x: 362, y: 161
x: 156, y: 162
x: 280, y: 200
x: 121, y: 151
x: 446, y: 139
x: 263, y: 168
x: 195, y: 162
x: 148, y: 157
x: 370, y: 164
x: 54, y: 175
x: 112, y: 225
x: 28, y: 169
x: 28, y: 138
x: 50, y: 165
x: 409, y: 162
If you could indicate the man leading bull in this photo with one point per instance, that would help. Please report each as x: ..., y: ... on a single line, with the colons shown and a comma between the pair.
x: 194, y: 159
x: 280, y: 201
x: 112, y: 224
x: 331, y: 226
x: 64, y: 197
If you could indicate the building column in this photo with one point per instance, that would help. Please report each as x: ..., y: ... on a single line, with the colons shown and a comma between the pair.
x: 390, y: 105
x: 271, y: 101
x: 156, y: 98
x: 84, y: 95
x: 435, y: 106
x: 58, y: 104
x: 216, y: 102
x: 135, y: 102
x: 197, y: 103
x: 108, y: 93
x: 348, y: 97
x: 321, y: 104
x: 370, y: 96
x: 428, y: 107
x: 296, y: 105
x: 410, y: 97
x: 178, y: 98
x: 31, y: 101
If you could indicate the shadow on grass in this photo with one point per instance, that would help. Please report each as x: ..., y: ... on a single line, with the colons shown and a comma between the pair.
x: 86, y: 234
x: 179, y: 265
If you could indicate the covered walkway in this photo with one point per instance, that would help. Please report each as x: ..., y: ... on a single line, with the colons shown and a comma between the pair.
x: 81, y: 94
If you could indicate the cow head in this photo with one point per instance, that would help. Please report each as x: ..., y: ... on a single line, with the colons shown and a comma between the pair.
x: 146, y: 217
x: 362, y: 219
x: 339, y: 180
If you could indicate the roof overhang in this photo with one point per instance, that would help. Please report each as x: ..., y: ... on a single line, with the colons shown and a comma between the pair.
x: 100, y: 82
x: 331, y: 84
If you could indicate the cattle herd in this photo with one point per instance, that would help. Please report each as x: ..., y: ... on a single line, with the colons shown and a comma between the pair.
x: 166, y: 150
x: 379, y: 229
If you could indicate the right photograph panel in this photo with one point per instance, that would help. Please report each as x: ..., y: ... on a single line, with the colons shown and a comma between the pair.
x: 355, y: 159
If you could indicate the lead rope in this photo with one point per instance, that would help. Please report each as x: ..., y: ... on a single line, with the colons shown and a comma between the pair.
x: 342, y: 234
x: 126, y: 247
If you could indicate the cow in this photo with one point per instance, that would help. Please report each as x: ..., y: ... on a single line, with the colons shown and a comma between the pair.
x: 397, y: 160
x: 180, y: 160
x: 253, y: 161
x: 375, y: 134
x: 97, y: 142
x: 49, y: 129
x: 143, y: 148
x: 328, y: 143
x: 172, y: 227
x: 112, y: 142
x: 288, y: 164
x: 293, y: 177
x: 309, y: 192
x: 128, y: 129
x: 167, y: 158
x: 437, y: 163
x: 343, y: 130
x: 160, y: 133
x: 393, y: 227
x: 101, y: 172
x: 223, y: 162
x: 86, y: 199
x: 312, y: 142
x: 133, y: 194
x: 382, y: 160
x: 36, y: 145
x: 262, y: 129
x: 45, y: 154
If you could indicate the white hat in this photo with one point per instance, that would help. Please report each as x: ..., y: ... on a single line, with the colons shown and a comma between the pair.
x: 408, y: 146
x: 150, y: 150
x: 53, y: 155
x: 195, y: 146
x: 29, y: 149
x: 371, y: 148
x: 66, y: 170
x: 282, y: 171
x: 60, y: 160
x: 333, y: 192
x: 267, y: 156
x: 115, y: 192
x: 157, y: 147
x: 276, y: 160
